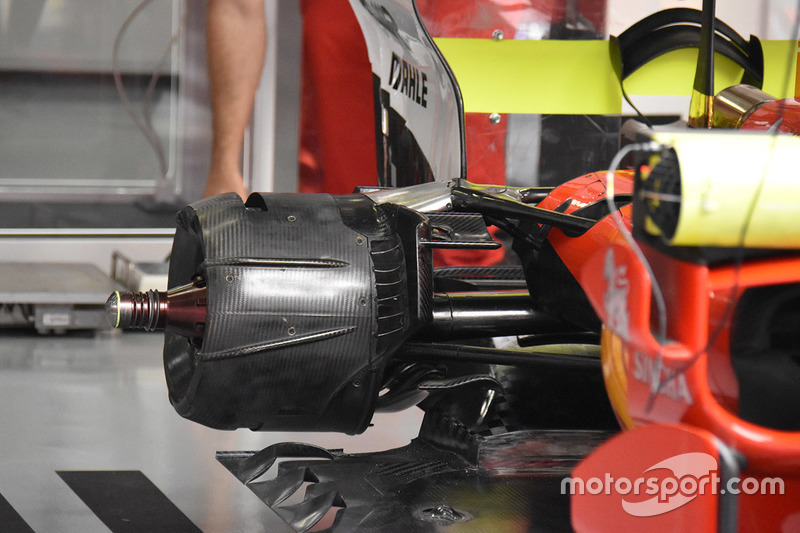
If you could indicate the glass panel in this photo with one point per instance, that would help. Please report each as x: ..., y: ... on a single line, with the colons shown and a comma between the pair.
x: 73, y: 75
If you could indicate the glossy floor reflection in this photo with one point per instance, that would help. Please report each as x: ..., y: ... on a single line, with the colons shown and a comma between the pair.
x: 99, y: 403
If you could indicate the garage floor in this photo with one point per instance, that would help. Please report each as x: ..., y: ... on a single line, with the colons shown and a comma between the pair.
x: 85, y: 414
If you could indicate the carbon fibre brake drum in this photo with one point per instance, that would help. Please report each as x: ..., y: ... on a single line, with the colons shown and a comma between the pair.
x: 307, y: 298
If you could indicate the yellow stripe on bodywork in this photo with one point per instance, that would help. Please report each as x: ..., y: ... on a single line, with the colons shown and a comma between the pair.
x: 780, y: 67
x: 522, y: 76
x: 577, y: 77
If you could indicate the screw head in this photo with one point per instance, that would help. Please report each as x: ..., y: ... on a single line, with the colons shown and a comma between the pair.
x: 495, y: 118
x: 498, y: 35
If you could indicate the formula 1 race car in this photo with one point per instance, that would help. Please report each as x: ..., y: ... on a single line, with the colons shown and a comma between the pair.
x: 632, y: 362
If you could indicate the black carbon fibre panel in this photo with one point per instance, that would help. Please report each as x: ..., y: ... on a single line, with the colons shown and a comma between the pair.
x: 307, y: 296
x: 445, y: 480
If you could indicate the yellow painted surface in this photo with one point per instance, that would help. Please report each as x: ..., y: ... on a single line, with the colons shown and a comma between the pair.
x: 577, y: 77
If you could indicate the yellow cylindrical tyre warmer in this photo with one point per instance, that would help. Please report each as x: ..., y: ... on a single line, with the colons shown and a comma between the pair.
x: 729, y: 189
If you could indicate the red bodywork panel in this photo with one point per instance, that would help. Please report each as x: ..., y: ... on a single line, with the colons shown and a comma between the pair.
x: 687, y: 378
x: 637, y: 497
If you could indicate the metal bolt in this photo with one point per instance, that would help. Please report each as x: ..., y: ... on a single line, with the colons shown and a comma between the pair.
x: 229, y: 278
x: 498, y: 35
x: 359, y: 241
x: 291, y: 331
x: 443, y: 515
x: 362, y: 301
x: 495, y: 118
